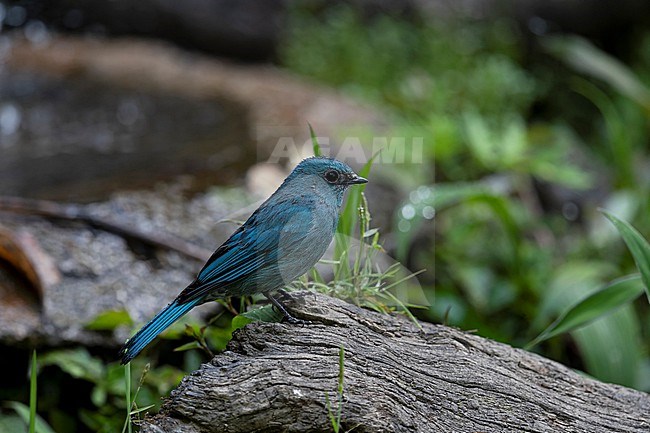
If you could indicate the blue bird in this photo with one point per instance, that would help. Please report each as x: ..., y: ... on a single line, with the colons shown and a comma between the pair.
x: 278, y: 243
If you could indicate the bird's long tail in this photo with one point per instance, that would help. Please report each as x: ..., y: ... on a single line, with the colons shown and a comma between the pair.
x: 158, y: 324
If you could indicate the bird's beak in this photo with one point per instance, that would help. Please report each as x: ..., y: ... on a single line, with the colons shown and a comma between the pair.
x: 354, y: 180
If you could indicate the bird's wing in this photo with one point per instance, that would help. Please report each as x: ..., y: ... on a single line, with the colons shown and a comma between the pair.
x: 253, y: 246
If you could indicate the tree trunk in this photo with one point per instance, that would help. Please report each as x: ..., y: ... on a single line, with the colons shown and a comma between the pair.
x: 397, y: 378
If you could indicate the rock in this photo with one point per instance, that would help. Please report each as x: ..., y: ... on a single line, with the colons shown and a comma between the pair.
x: 116, y: 138
x: 100, y: 271
x: 276, y: 104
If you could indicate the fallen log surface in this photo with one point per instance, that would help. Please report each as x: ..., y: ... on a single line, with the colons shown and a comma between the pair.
x: 397, y: 378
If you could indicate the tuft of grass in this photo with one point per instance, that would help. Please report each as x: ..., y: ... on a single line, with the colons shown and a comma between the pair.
x: 131, y: 404
x: 360, y: 278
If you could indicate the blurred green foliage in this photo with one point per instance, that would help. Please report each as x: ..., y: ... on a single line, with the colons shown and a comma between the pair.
x: 416, y: 67
x: 503, y: 128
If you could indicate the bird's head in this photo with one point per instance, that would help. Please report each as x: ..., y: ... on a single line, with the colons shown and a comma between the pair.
x: 331, y: 171
x: 325, y: 174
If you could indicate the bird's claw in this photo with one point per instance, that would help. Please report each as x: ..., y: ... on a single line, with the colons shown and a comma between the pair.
x: 295, y: 321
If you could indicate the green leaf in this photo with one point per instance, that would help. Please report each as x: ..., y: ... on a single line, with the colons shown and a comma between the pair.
x: 240, y: 321
x: 570, y: 282
x: 109, y: 320
x: 481, y: 140
x: 10, y: 422
x: 330, y: 413
x: 194, y: 331
x: 584, y: 57
x: 619, y: 292
x: 499, y: 149
x: 23, y: 411
x: 188, y: 346
x: 78, y: 363
x: 99, y: 395
x: 611, y: 347
x: 262, y: 314
x: 553, y: 171
x: 637, y: 245
x: 314, y: 141
x: 370, y: 232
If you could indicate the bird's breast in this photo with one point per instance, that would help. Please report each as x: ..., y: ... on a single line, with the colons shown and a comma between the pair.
x: 299, y: 249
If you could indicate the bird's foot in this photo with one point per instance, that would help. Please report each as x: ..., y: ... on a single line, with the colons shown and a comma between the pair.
x: 287, y: 316
x: 294, y: 320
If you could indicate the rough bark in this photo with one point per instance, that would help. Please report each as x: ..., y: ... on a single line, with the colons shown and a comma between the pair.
x: 398, y: 378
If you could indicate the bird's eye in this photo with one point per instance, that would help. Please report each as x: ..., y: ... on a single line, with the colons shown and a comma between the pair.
x: 331, y: 176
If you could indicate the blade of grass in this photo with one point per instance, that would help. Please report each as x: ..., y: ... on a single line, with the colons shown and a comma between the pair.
x: 637, y: 245
x: 330, y: 414
x: 406, y: 310
x: 127, y: 379
x: 32, y: 395
x: 364, y: 221
x: 316, y: 276
x: 188, y: 346
x: 314, y: 141
x: 142, y: 409
x: 405, y: 278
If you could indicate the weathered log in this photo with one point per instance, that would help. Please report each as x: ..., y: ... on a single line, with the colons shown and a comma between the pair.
x: 397, y: 378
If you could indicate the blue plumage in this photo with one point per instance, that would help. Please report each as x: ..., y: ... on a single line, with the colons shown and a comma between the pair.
x: 278, y: 243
